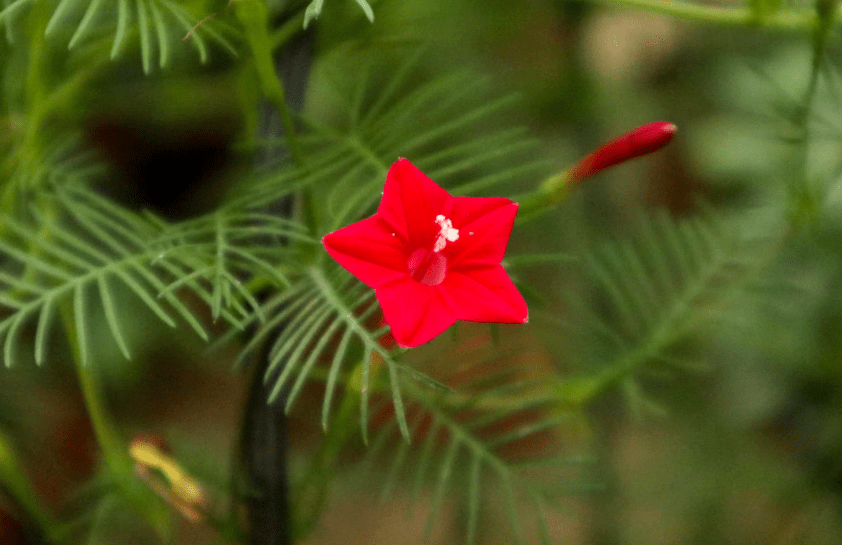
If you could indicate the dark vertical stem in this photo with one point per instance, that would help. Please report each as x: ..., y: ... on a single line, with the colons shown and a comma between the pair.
x: 264, y: 434
x: 264, y: 451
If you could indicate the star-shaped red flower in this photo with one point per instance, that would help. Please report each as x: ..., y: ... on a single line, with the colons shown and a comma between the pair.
x: 432, y: 258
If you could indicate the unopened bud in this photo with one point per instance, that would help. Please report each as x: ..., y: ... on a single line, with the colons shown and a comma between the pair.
x: 640, y: 141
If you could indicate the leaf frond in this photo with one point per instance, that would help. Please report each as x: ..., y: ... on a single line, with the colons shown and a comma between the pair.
x: 81, y: 248
x: 445, y: 126
x: 323, y: 320
x: 477, y: 456
x: 158, y: 25
x: 652, y: 291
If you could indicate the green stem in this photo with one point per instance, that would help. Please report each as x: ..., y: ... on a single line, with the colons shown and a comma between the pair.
x: 287, y: 31
x: 743, y: 16
x: 804, y: 204
x: 43, y: 98
x: 14, y: 477
x: 27, y: 153
x: 554, y: 191
x: 115, y: 452
x: 116, y: 456
x: 254, y: 17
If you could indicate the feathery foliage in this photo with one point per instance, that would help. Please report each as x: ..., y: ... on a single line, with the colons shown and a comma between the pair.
x: 481, y: 441
x: 79, y: 245
x: 380, y: 113
x: 314, y: 10
x: 649, y: 293
x: 156, y: 24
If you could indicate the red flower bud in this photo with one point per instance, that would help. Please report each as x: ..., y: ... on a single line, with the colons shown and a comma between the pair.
x: 640, y: 141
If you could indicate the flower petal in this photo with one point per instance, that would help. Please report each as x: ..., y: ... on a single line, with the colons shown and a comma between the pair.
x: 411, y: 202
x: 369, y: 251
x: 415, y: 312
x: 484, y: 294
x: 485, y: 225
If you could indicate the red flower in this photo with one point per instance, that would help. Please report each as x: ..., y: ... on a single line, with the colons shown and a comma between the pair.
x: 432, y: 258
x: 642, y: 140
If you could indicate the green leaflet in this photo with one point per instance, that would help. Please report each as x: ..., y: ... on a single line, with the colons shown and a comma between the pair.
x: 314, y: 10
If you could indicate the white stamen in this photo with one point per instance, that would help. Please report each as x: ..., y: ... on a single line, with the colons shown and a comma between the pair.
x: 446, y: 233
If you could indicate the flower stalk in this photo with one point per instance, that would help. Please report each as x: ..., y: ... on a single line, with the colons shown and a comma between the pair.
x: 635, y: 143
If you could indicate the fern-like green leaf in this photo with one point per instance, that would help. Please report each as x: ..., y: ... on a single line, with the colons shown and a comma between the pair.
x: 315, y: 321
x: 157, y: 23
x: 86, y: 23
x: 467, y: 456
x: 59, y: 14
x: 239, y: 244
x: 652, y: 291
x: 314, y: 10
x: 445, y: 126
x: 11, y: 8
x: 123, y: 17
x: 79, y: 247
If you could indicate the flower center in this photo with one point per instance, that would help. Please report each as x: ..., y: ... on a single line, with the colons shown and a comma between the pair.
x: 446, y: 233
x: 429, y: 266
